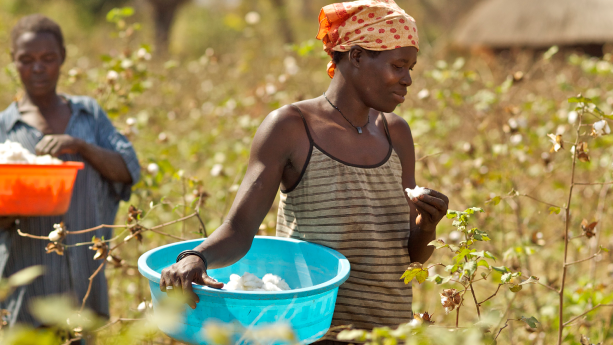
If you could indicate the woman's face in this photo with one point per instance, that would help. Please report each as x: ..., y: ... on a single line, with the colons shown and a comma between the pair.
x: 38, y: 58
x: 383, y: 79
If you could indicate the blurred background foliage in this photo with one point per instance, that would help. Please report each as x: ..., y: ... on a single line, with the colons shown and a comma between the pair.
x: 191, y: 103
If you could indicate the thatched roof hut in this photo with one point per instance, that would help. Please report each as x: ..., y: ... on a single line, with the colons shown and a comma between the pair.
x: 501, y: 24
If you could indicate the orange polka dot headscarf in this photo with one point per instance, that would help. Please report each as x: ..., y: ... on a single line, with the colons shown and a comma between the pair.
x: 371, y: 24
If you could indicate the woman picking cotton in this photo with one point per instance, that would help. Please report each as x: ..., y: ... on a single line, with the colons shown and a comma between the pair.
x: 342, y: 161
x: 72, y: 128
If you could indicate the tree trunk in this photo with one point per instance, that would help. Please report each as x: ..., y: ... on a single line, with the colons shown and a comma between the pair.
x: 163, y: 16
x: 286, y: 28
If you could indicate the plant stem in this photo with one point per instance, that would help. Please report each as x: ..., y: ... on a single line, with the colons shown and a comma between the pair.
x: 184, y: 204
x: 470, y: 283
x: 495, y: 293
x: 506, y: 324
x: 547, y: 286
x: 566, y: 230
x: 582, y: 260
x: 541, y: 201
x: 457, y: 317
x: 578, y: 316
x: 91, y: 281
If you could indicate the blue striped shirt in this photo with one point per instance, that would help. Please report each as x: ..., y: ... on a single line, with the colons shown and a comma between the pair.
x: 94, y: 201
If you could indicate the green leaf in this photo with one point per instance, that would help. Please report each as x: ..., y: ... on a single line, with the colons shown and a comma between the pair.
x: 531, y: 321
x: 484, y: 254
x: 438, y: 243
x: 381, y: 332
x: 483, y: 263
x: 26, y: 276
x: 604, y: 249
x: 421, y: 276
x: 127, y: 11
x: 481, y: 235
x: 501, y: 269
x: 451, y: 214
x: 416, y: 271
x: 460, y: 256
x: 495, y: 200
x: 531, y: 280
x: 555, y: 210
x: 580, y: 99
x: 352, y: 334
x: 550, y: 52
x: 515, y: 288
x: 470, y: 267
x: 439, y: 279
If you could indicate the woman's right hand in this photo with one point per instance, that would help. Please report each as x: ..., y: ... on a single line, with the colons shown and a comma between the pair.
x: 179, y: 277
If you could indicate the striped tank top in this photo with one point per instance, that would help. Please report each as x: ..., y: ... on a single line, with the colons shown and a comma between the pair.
x: 360, y: 211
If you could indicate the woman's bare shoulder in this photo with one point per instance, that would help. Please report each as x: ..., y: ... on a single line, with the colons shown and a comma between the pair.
x: 398, y: 127
x: 285, y: 118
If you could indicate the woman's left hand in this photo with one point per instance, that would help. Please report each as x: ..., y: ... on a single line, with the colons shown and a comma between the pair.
x: 57, y: 144
x: 431, y: 209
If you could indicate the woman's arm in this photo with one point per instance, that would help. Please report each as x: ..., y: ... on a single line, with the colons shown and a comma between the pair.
x: 427, y: 210
x: 271, y: 151
x: 108, y: 163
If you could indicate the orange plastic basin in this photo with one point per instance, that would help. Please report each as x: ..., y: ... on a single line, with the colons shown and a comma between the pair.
x: 36, y: 190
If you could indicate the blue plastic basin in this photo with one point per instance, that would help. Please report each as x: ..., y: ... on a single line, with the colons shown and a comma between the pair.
x: 313, y: 272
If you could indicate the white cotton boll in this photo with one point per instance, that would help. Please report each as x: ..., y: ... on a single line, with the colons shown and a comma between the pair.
x: 271, y: 278
x: 271, y: 287
x: 54, y: 236
x: 417, y: 192
x: 112, y: 76
x: 415, y: 323
x: 153, y: 169
x: 250, y: 282
x: 142, y: 306
x: 233, y: 286
x: 423, y: 94
x: 276, y: 280
x: 252, y: 18
x: 572, y: 116
x: 600, y: 128
x: 14, y: 153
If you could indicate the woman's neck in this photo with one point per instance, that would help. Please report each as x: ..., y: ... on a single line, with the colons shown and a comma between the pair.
x: 345, y: 97
x: 42, y: 102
